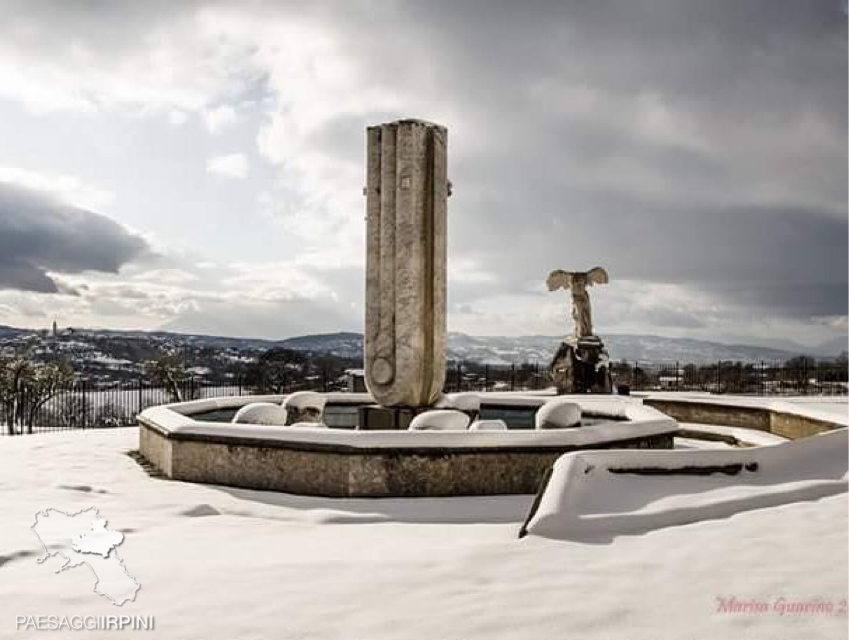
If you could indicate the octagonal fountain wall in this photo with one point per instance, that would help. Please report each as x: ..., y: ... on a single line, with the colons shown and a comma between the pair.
x: 188, y: 441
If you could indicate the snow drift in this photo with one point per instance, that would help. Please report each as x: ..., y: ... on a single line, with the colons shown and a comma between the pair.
x: 597, y: 495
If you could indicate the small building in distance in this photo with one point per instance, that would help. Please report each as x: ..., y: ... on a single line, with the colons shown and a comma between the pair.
x: 356, y: 380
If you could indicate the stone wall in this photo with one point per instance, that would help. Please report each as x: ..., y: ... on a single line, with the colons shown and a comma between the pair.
x: 704, y: 413
x: 785, y: 423
x: 795, y: 426
x: 342, y: 471
x: 155, y: 447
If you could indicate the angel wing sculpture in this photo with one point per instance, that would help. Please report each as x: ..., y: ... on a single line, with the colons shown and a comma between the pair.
x: 577, y: 282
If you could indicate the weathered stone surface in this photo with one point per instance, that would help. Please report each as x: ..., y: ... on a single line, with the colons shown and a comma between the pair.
x: 696, y: 412
x: 406, y: 202
x: 558, y: 414
x: 781, y: 423
x: 488, y: 425
x: 156, y: 449
x: 794, y: 427
x: 337, y: 471
x: 266, y: 413
x: 460, y: 401
x: 440, y: 420
x: 581, y: 366
x: 468, y: 403
x: 304, y: 406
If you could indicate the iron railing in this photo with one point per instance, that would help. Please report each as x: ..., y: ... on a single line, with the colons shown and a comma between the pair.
x: 84, y: 404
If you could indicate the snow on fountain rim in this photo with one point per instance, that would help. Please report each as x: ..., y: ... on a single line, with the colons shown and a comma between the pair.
x: 175, y: 420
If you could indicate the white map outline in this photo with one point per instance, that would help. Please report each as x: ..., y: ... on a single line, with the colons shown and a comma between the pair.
x: 67, y: 565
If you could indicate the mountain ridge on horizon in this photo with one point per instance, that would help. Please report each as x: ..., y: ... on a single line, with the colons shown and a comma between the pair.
x: 500, y: 349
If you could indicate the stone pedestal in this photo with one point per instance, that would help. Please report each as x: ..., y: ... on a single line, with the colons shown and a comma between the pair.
x: 406, y: 202
x: 374, y: 417
x: 581, y: 366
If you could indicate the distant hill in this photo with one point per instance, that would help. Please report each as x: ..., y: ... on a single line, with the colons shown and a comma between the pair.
x: 343, y: 345
x: 835, y: 346
x: 12, y: 332
x: 658, y: 349
x: 506, y: 350
x: 486, y: 349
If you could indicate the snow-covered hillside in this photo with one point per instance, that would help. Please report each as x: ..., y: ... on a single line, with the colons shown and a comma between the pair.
x: 505, y: 350
x: 501, y: 350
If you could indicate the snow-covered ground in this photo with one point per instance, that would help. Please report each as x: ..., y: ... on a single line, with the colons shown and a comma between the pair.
x: 215, y: 562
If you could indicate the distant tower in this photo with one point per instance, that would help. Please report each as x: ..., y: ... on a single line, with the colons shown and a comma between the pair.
x: 55, y: 330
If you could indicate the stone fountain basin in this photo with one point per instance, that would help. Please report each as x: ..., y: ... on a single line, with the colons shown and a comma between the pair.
x: 328, y: 461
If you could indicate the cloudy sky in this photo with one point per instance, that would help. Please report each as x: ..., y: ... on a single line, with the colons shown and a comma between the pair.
x: 199, y: 166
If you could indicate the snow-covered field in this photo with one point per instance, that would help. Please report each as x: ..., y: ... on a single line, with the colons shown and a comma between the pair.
x: 215, y: 562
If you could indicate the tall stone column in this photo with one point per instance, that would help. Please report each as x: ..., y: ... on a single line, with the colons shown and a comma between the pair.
x: 406, y: 203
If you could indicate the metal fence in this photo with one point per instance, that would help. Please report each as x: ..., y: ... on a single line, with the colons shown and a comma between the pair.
x: 472, y: 376
x: 813, y: 378
x: 762, y: 378
x: 84, y: 404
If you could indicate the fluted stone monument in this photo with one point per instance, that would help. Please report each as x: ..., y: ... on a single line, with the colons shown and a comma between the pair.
x: 581, y: 362
x: 406, y: 202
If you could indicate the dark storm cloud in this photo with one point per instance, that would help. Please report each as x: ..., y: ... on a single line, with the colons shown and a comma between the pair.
x: 752, y: 209
x: 38, y: 234
x: 789, y: 258
x: 726, y: 53
x: 679, y: 319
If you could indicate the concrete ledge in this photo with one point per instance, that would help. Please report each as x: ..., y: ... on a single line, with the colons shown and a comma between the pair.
x: 778, y: 417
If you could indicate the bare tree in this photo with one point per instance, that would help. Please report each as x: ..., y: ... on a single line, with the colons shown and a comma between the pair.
x: 13, y: 372
x: 275, y: 370
x: 168, y: 371
x: 25, y: 386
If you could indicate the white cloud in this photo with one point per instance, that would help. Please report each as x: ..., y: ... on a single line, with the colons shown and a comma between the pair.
x: 468, y: 270
x: 276, y: 281
x: 234, y: 166
x: 178, y: 117
x: 219, y: 117
x: 157, y: 59
x: 66, y: 189
x: 276, y: 299
x: 165, y: 276
x: 835, y: 322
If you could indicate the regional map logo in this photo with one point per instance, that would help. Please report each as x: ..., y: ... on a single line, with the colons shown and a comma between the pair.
x: 82, y: 538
